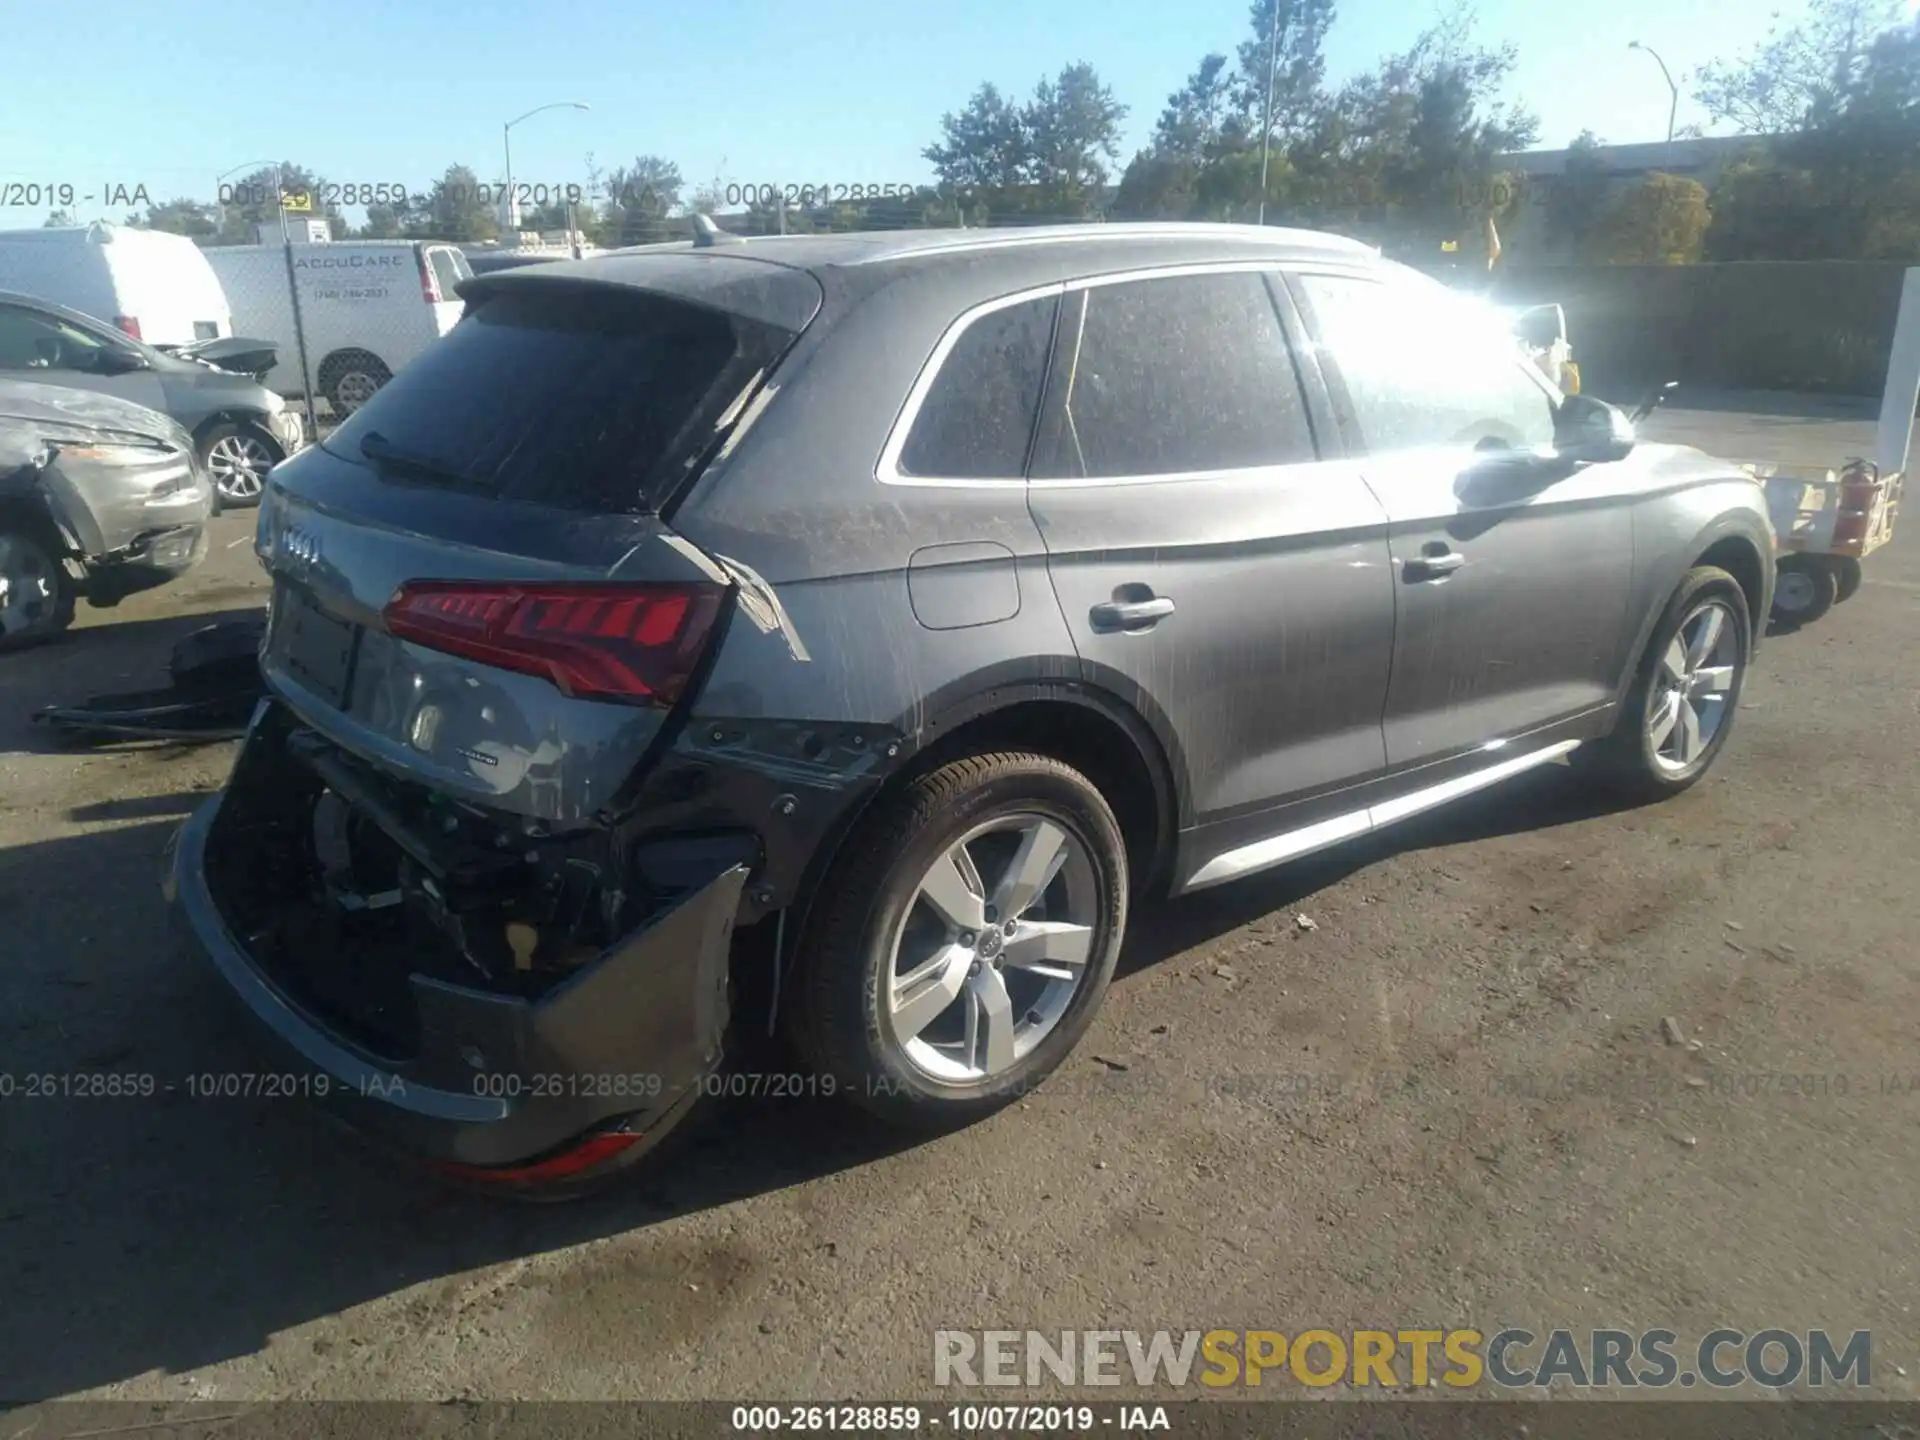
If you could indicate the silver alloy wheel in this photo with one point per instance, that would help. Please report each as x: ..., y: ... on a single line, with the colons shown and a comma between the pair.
x: 980, y: 974
x: 1793, y: 592
x: 1687, y: 702
x: 353, y: 389
x: 238, y: 464
x: 29, y: 589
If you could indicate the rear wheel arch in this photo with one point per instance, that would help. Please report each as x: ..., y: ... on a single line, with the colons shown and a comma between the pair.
x: 1085, y: 727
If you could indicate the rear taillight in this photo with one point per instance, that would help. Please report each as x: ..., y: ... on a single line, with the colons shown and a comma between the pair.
x: 603, y: 642
x: 129, y: 324
x: 429, y: 286
x: 582, y: 1156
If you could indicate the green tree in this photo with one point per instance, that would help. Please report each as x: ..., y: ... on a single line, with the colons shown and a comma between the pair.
x: 1048, y: 157
x: 386, y: 222
x: 984, y: 148
x: 192, y: 218
x: 1072, y: 125
x: 1286, y: 45
x: 1408, y: 153
x: 456, y: 209
x: 1199, y: 116
x: 1797, y: 70
x: 1845, y: 185
x: 1158, y: 186
x: 254, y: 201
x: 639, y: 199
x: 58, y: 219
x: 1661, y: 221
x: 1576, y: 198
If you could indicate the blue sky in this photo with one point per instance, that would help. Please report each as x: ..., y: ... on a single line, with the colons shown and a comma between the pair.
x: 169, y: 95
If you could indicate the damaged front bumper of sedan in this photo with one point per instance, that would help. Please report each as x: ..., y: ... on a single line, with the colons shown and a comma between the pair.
x: 528, y: 1012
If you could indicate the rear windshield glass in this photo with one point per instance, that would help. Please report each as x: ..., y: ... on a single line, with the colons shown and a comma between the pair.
x: 585, y: 399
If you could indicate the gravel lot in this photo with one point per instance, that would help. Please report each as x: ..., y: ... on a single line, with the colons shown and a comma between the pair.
x: 1269, y: 1125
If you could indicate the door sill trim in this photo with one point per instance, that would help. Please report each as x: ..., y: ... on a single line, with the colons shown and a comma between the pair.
x: 1291, y: 844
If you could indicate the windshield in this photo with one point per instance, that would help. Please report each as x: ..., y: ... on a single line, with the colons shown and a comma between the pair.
x: 585, y: 399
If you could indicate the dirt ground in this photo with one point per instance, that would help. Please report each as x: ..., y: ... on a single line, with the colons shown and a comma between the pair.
x: 1269, y: 1126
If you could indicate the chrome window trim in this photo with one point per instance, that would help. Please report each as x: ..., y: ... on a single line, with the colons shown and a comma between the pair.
x: 887, y: 470
x: 1281, y: 238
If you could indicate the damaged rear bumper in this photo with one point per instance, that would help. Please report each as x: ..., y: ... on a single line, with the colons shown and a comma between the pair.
x: 493, y: 1086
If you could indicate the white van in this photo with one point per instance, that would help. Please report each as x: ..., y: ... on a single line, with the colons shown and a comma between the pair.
x: 367, y: 307
x: 155, y: 286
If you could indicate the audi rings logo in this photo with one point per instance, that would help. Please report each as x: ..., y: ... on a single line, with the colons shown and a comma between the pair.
x: 300, y: 548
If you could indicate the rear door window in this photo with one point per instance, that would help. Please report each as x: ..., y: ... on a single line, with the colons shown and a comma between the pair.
x: 977, y: 419
x: 1183, y: 375
x: 1423, y: 367
x: 587, y: 399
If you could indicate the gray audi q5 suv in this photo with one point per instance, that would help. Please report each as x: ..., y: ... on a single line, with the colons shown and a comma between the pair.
x: 912, y: 605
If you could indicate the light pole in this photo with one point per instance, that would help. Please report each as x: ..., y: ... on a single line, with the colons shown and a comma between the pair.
x: 1266, y: 131
x: 506, y: 144
x: 1673, y: 109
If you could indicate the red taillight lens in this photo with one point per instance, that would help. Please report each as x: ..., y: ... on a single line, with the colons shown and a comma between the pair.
x: 429, y: 286
x: 1859, y: 492
x: 599, y: 642
x: 584, y: 1156
x: 130, y: 324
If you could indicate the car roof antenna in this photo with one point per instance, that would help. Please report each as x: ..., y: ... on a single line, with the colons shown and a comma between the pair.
x: 706, y: 233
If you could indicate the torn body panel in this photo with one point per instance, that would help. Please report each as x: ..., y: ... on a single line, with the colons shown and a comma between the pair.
x: 471, y: 1002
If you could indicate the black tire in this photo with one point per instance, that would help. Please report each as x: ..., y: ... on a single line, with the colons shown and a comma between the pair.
x: 836, y: 1022
x: 1626, y: 761
x: 1805, y: 589
x: 1847, y: 576
x: 225, y: 498
x: 26, y: 559
x: 337, y: 371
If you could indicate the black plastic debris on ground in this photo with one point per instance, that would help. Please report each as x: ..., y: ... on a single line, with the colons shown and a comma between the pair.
x: 215, y: 675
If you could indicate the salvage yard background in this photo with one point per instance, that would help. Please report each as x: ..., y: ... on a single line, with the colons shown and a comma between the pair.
x: 1272, y: 1124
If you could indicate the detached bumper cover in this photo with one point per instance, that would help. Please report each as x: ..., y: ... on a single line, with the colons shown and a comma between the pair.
x: 497, y: 1080
x: 290, y: 430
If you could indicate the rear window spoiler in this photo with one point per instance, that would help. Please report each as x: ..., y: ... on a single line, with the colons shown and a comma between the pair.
x: 726, y: 278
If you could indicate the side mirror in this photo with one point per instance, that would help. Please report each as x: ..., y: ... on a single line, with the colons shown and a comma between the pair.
x: 1541, y: 327
x: 1656, y: 397
x: 1591, y: 431
x: 114, y: 361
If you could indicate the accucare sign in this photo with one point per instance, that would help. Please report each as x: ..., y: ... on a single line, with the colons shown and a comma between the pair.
x: 353, y: 262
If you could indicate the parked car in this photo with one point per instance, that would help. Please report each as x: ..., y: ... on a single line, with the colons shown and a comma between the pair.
x: 151, y: 285
x: 98, y: 497
x: 240, y: 428
x: 367, y: 307
x: 913, y: 606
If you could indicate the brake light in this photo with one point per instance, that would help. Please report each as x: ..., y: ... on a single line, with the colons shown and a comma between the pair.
x: 583, y: 1156
x: 594, y: 641
x: 130, y: 324
x: 429, y: 286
